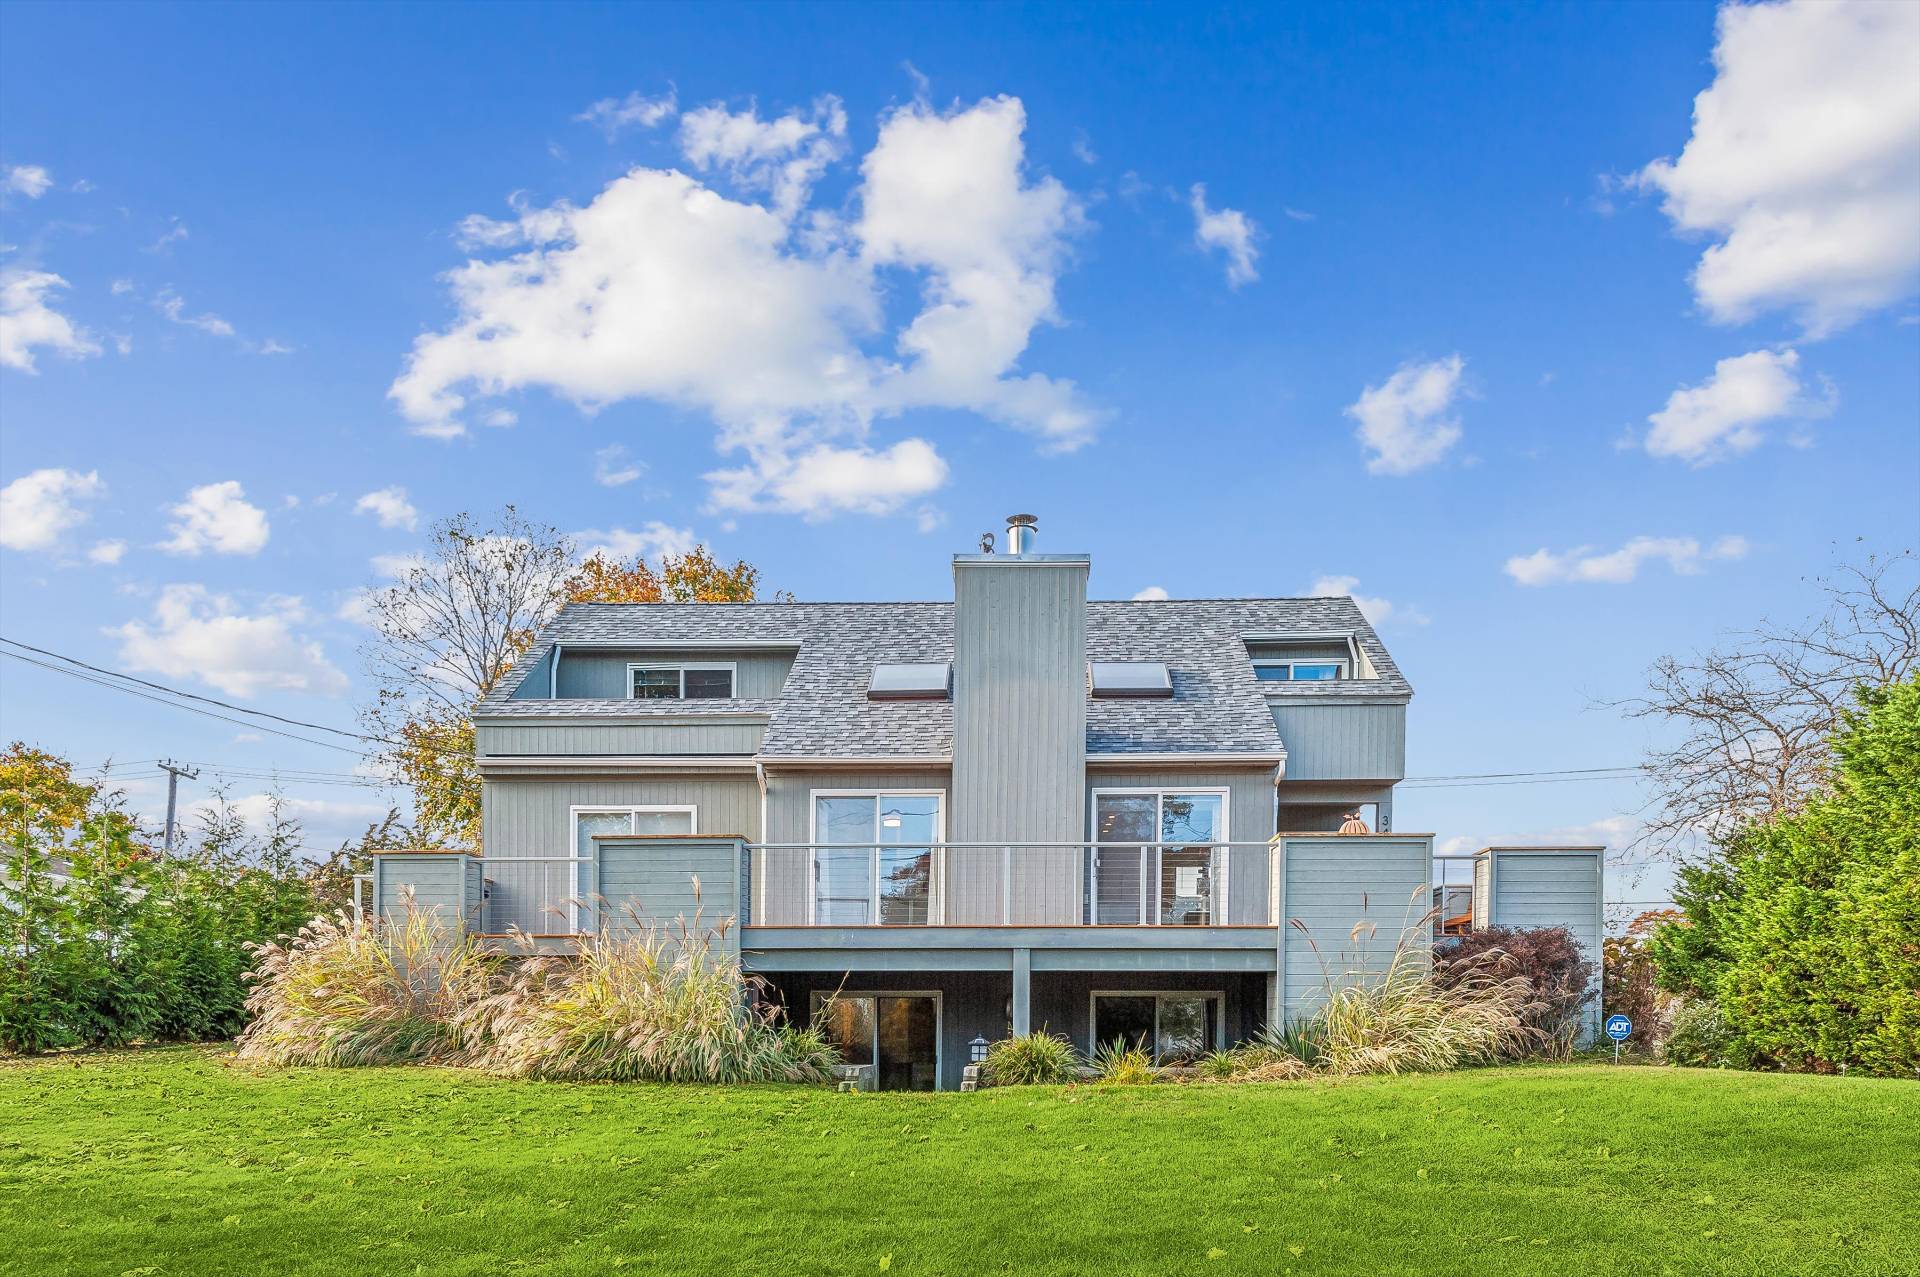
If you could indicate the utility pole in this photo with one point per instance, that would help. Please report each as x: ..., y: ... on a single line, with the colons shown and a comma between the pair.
x: 174, y: 772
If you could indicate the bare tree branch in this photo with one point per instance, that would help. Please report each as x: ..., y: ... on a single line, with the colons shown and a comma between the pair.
x: 1755, y: 714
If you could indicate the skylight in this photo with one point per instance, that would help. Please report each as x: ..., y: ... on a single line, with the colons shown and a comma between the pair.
x: 924, y: 681
x: 1130, y: 678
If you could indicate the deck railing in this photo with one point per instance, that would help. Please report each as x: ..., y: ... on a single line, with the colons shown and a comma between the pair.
x: 1150, y: 884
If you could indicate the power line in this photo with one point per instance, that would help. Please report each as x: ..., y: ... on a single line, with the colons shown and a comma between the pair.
x: 107, y: 674
x: 174, y: 691
x: 1568, y: 771
x: 191, y: 709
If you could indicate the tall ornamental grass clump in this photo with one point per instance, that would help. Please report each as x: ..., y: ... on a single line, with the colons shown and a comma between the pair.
x: 642, y: 1004
x: 342, y: 993
x: 1399, y: 1019
x: 1033, y: 1059
x: 638, y: 1004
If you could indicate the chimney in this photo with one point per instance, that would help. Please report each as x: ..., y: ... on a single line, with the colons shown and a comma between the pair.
x: 1019, y: 730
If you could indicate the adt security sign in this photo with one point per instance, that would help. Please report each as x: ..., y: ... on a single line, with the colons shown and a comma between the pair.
x: 1619, y: 1028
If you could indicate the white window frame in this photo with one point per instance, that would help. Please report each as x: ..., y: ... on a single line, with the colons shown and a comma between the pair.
x: 939, y: 1018
x: 1160, y: 794
x: 613, y: 809
x: 1219, y: 997
x: 1340, y: 664
x: 936, y: 872
x: 732, y: 668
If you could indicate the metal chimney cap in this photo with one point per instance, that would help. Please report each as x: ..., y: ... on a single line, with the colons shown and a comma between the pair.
x: 1022, y: 521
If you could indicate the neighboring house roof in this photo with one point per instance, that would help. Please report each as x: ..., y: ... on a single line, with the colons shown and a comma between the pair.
x: 1217, y: 707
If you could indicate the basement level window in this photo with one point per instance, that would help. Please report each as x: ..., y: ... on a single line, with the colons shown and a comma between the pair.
x: 1116, y: 679
x: 925, y: 681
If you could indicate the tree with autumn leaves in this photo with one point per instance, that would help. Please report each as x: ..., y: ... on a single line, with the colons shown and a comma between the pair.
x: 458, y: 617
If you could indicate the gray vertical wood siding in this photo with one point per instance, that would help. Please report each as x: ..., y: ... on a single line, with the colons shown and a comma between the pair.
x: 1342, y: 742
x: 669, y: 885
x: 601, y: 673
x: 1020, y: 732
x: 533, y: 817
x: 1542, y: 887
x: 1380, y: 885
x: 1249, y: 819
x: 445, y: 886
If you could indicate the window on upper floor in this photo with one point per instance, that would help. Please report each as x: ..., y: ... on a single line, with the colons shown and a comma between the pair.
x: 923, y: 681
x: 674, y: 681
x: 1277, y: 671
x: 1118, y: 679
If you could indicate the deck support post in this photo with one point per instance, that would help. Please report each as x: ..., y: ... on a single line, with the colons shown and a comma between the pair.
x: 1022, y: 992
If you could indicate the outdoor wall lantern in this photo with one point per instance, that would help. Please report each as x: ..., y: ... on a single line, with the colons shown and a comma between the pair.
x: 977, y: 1050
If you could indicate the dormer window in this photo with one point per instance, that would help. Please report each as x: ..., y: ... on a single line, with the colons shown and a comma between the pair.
x: 680, y: 681
x: 924, y: 681
x: 1122, y: 679
x: 1299, y: 671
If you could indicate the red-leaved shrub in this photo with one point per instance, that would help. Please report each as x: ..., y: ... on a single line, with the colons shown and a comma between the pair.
x: 1551, y: 961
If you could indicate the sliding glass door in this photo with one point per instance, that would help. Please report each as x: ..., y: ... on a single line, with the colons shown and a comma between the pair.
x: 1156, y: 858
x: 874, y: 859
x: 897, y: 1035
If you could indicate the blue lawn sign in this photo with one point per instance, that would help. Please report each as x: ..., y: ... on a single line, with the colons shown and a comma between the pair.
x: 1619, y: 1028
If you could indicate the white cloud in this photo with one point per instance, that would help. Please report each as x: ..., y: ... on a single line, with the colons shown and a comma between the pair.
x: 1152, y: 594
x: 120, y: 287
x: 1804, y: 163
x: 1377, y: 610
x: 784, y: 157
x: 168, y: 238
x: 1230, y: 231
x: 195, y: 633
x: 1584, y: 564
x: 1405, y: 422
x: 1615, y: 833
x: 26, y: 321
x: 29, y: 180
x: 106, y: 553
x: 612, y: 466
x: 1724, y: 416
x: 825, y: 480
x: 39, y: 507
x: 771, y: 318
x: 1082, y: 147
x: 171, y: 305
x: 612, y: 116
x: 648, y: 542
x: 391, y: 507
x: 322, y: 820
x: 500, y: 418
x: 217, y: 517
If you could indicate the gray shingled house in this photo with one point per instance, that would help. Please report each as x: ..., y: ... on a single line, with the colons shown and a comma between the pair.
x: 945, y: 822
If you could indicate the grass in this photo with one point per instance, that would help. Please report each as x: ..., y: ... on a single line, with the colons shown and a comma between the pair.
x: 176, y: 1161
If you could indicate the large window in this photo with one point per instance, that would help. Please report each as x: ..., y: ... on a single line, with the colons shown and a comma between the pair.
x: 873, y: 859
x: 589, y: 821
x: 674, y: 681
x: 1175, y: 1028
x: 1156, y: 858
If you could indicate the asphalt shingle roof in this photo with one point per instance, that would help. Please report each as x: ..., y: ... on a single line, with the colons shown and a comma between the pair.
x: 823, y: 711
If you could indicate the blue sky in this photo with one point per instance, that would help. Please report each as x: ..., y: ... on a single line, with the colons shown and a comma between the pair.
x: 924, y: 266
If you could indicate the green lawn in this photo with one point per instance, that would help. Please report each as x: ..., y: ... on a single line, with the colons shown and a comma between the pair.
x: 173, y: 1161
